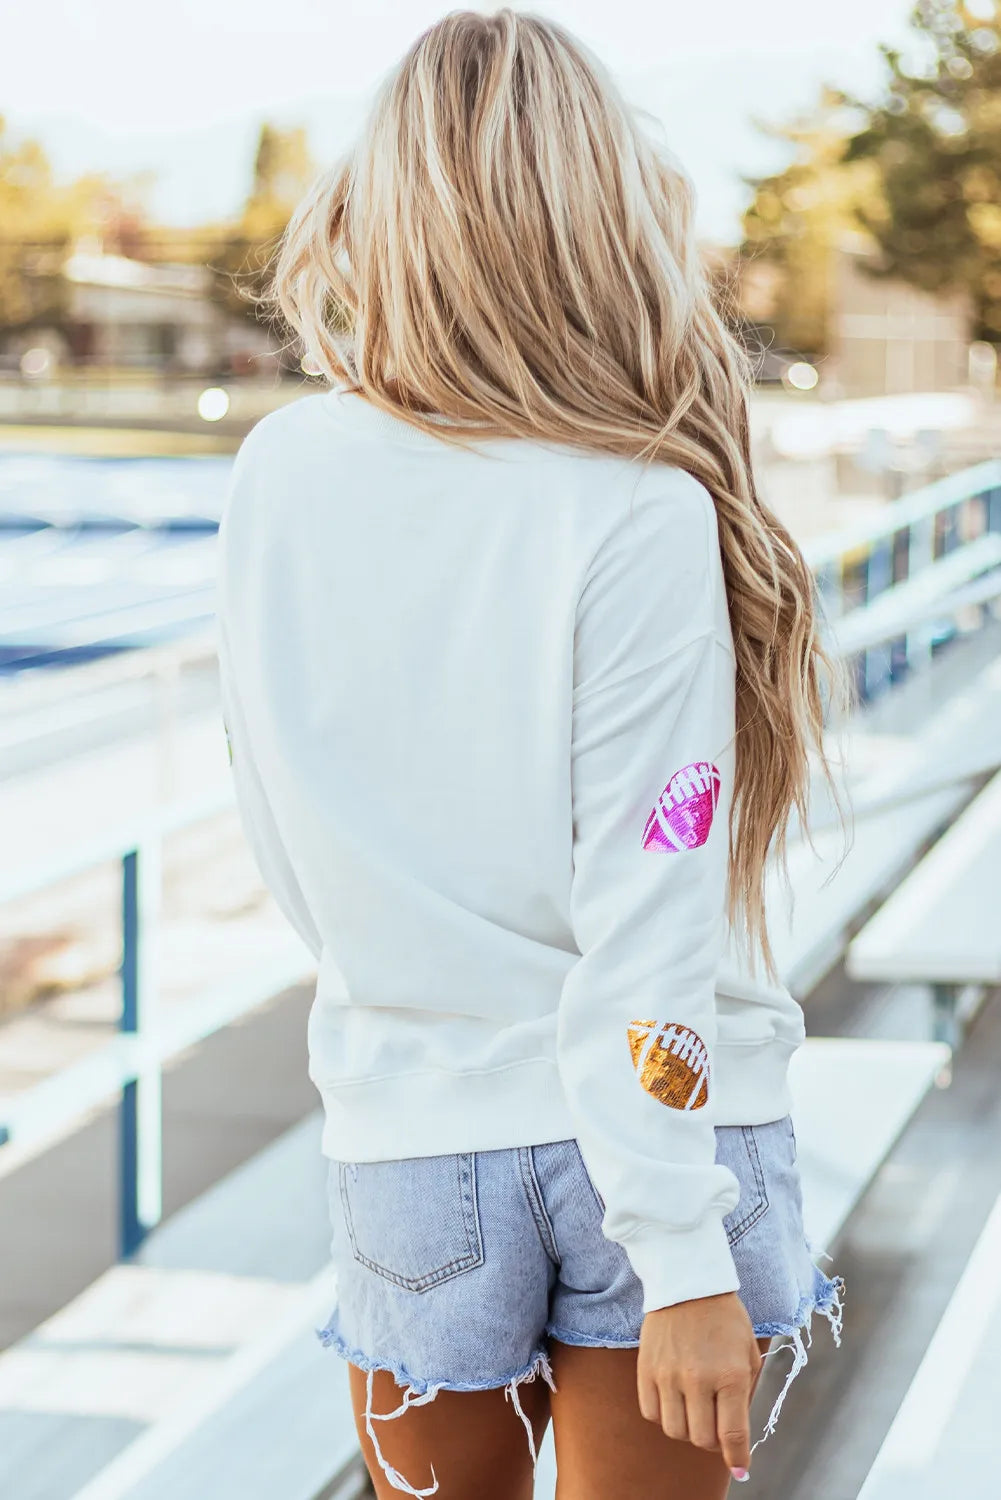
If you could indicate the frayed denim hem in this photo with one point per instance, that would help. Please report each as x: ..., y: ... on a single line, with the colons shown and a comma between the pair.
x: 421, y: 1392
x: 827, y: 1298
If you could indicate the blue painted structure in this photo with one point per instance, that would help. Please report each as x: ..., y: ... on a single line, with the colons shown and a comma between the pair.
x: 99, y: 555
x: 860, y: 564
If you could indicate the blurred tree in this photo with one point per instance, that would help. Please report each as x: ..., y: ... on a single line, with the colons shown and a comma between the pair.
x: 40, y: 220
x: 935, y: 141
x: 283, y: 169
x: 794, y: 221
x: 34, y: 233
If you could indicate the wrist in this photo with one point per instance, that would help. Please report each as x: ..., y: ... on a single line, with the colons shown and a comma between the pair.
x: 686, y: 1265
x: 693, y: 1304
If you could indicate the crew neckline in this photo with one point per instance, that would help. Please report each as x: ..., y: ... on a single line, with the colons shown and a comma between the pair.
x: 352, y: 413
x: 349, y: 409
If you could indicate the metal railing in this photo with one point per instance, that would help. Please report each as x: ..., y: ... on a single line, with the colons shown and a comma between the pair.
x: 131, y: 1065
x: 905, y: 543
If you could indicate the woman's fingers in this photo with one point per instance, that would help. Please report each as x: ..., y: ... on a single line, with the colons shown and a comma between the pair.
x: 700, y: 1411
x: 672, y: 1414
x: 697, y: 1362
x: 649, y: 1396
x: 733, y: 1425
x: 713, y: 1420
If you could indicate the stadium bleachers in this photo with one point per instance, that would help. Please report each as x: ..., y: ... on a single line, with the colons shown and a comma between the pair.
x: 193, y: 1367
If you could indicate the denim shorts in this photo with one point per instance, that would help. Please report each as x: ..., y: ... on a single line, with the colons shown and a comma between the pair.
x: 454, y: 1272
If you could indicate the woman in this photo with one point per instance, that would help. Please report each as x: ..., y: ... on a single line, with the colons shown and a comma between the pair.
x: 520, y: 679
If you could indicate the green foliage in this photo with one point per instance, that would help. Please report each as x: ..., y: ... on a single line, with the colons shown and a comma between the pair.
x: 40, y: 220
x: 283, y: 169
x: 919, y: 173
x: 935, y: 141
x: 795, y: 219
x: 35, y: 226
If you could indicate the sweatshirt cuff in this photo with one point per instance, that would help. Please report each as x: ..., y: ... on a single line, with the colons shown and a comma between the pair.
x: 679, y: 1265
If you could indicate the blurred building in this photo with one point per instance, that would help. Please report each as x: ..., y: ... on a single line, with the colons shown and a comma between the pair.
x: 891, y: 339
x: 121, y: 313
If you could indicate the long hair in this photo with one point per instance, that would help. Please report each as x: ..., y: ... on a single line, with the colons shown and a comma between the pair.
x: 506, y: 248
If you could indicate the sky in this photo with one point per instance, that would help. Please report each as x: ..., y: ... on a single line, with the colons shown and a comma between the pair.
x: 178, y: 88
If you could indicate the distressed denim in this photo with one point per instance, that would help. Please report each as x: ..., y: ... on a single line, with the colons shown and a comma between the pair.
x: 454, y: 1272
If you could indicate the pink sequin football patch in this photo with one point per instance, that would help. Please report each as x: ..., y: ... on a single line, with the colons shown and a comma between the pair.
x: 685, y: 809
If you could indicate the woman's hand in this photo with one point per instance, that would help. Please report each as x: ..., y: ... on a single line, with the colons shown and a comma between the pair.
x: 698, y: 1362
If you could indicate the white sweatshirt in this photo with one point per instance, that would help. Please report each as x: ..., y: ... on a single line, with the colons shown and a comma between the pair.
x: 480, y: 705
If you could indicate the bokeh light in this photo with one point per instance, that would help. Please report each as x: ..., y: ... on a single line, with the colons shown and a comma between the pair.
x: 213, y: 404
x: 802, y: 376
x: 36, y: 363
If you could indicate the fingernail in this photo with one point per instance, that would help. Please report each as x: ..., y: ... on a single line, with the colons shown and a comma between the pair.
x: 741, y: 1475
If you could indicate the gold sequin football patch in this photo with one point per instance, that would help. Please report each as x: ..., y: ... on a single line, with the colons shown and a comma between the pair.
x: 671, y: 1062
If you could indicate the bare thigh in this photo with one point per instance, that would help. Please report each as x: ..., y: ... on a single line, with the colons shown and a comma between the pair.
x: 604, y: 1446
x: 475, y: 1439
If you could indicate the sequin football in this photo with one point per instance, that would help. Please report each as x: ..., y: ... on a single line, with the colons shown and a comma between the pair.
x: 671, y: 1062
x: 685, y: 809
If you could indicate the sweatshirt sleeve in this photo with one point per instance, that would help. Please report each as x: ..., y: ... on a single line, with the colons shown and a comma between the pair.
x: 652, y: 763
x: 256, y: 815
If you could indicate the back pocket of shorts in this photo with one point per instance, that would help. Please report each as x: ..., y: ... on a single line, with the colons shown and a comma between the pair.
x: 415, y: 1222
x: 737, y: 1148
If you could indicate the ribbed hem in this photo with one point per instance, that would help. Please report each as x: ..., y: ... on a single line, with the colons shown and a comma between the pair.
x: 752, y: 1082
x: 433, y: 1113
x: 430, y: 1114
x: 678, y: 1265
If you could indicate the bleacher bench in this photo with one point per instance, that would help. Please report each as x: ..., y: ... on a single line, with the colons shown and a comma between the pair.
x: 943, y: 1441
x: 911, y: 788
x: 941, y: 925
x: 195, y: 1370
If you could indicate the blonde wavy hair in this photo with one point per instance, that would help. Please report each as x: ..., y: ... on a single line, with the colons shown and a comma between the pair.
x: 505, y: 248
